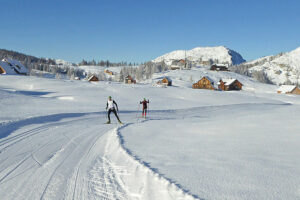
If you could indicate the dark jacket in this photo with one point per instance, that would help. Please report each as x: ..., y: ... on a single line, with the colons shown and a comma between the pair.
x: 144, y: 103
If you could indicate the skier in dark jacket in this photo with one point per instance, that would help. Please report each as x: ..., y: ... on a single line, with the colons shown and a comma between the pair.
x: 110, y: 105
x: 144, y: 102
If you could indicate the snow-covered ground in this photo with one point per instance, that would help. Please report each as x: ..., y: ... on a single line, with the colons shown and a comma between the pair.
x: 196, y: 144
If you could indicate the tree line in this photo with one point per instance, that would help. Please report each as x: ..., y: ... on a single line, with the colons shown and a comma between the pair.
x: 106, y: 63
x: 49, y: 65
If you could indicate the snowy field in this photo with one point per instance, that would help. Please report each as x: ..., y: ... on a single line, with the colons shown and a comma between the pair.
x: 196, y: 144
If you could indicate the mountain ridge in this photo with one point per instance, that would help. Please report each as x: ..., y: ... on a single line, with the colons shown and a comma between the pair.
x: 203, y: 56
x: 283, y: 68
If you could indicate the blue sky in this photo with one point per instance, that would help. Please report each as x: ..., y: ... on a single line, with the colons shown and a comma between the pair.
x: 140, y: 30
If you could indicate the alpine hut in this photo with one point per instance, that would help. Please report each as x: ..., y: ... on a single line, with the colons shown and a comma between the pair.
x: 204, y: 83
x: 165, y: 81
x: 93, y: 78
x: 229, y: 84
x: 9, y: 66
x: 178, y: 64
x: 108, y: 72
x: 129, y: 80
x: 218, y: 67
x: 288, y: 89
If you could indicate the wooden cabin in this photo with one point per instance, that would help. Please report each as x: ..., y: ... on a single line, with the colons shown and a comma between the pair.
x: 9, y: 66
x: 288, y: 89
x: 174, y: 67
x: 229, y: 84
x: 93, y: 78
x: 5, y: 68
x: 204, y: 83
x: 182, y: 61
x: 218, y: 68
x: 129, y: 80
x: 178, y: 64
x: 108, y: 72
x: 165, y: 81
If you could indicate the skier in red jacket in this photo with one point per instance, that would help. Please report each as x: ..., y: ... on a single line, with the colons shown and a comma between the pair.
x: 144, y: 102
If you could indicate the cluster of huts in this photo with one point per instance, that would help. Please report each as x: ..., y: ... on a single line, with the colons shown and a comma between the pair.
x: 94, y: 78
x: 223, y: 84
x: 128, y: 79
x: 208, y: 83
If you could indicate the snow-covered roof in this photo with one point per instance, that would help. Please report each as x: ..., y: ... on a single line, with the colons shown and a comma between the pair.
x: 208, y: 78
x: 13, y: 66
x: 168, y: 78
x: 92, y: 76
x: 228, y: 81
x: 221, y: 65
x: 286, y: 88
x: 7, y: 68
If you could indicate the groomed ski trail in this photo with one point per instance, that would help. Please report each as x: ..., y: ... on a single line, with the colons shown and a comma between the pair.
x: 76, y: 157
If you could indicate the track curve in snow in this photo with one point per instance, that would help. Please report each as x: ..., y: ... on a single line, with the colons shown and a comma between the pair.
x: 74, y: 156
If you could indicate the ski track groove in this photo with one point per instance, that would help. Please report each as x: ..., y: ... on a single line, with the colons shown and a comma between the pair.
x: 80, y: 163
x: 52, y: 175
x: 20, y: 163
x: 32, y: 153
x: 60, y: 164
x: 16, y: 167
x: 26, y: 135
x: 35, y: 131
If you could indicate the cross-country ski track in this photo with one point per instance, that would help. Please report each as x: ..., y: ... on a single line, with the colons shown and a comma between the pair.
x: 74, y: 156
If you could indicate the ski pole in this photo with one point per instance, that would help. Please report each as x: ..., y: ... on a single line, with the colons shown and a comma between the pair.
x: 136, y: 116
x: 148, y: 108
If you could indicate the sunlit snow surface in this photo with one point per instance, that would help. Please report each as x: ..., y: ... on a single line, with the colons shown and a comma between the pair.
x: 194, y: 144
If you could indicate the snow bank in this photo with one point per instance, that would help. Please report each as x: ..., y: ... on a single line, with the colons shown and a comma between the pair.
x: 140, y: 181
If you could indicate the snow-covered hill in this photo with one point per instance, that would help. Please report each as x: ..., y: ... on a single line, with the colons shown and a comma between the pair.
x: 203, y: 56
x: 283, y: 68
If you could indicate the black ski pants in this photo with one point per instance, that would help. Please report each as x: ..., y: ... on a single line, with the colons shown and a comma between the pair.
x: 114, y: 111
x: 144, y: 111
